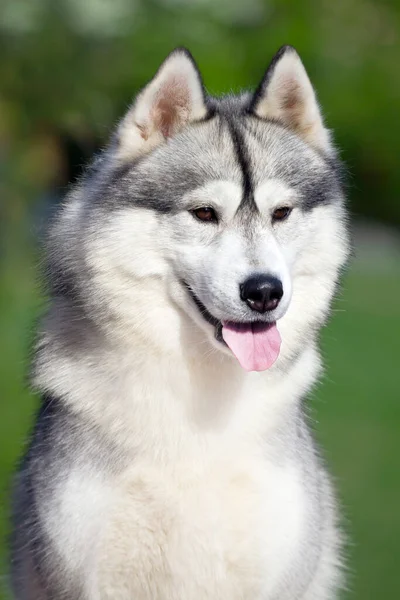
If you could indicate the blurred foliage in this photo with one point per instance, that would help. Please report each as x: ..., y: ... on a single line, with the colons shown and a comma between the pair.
x: 73, y: 66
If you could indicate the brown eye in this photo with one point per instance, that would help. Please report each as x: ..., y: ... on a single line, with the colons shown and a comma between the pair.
x: 205, y: 213
x: 282, y: 213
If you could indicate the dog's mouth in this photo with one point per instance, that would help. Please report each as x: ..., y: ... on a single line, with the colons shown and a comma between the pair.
x: 207, y: 316
x: 256, y: 345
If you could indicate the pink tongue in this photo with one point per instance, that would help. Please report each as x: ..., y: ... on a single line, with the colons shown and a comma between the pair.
x: 255, y: 345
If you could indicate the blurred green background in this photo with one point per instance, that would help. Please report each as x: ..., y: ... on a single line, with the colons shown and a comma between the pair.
x: 69, y: 68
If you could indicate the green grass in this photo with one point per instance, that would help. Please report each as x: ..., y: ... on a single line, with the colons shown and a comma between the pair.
x: 358, y: 408
x: 356, y: 411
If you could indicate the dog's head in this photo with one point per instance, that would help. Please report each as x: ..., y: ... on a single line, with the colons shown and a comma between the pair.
x: 221, y: 215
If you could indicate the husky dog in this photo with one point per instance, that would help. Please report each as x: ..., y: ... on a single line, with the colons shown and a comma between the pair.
x: 190, y: 273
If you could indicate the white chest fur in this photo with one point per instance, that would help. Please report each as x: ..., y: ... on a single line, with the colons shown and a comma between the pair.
x: 203, y: 512
x: 230, y: 532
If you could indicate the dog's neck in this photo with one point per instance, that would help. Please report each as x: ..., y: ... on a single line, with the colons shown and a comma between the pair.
x: 146, y: 400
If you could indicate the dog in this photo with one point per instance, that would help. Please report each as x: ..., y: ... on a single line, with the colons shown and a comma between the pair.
x: 189, y: 275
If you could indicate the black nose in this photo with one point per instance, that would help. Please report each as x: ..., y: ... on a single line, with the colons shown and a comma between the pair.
x: 261, y: 292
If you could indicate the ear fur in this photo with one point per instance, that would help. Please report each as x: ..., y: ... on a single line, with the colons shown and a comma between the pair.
x: 171, y: 100
x: 287, y: 95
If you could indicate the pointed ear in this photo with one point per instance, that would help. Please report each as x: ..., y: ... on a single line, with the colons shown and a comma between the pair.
x: 286, y: 94
x: 172, y: 99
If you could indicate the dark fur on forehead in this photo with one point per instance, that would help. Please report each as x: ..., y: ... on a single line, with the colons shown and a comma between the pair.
x: 231, y: 110
x: 111, y: 186
x: 230, y: 105
x: 126, y: 185
x: 244, y: 161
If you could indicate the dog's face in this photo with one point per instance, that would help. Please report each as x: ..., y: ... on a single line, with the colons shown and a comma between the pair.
x: 229, y: 210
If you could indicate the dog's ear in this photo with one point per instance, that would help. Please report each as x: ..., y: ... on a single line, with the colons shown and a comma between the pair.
x: 286, y: 95
x: 172, y: 99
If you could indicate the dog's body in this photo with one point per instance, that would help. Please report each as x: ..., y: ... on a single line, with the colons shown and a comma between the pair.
x: 161, y: 469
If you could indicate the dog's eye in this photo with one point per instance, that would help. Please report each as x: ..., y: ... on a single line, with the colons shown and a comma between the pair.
x: 205, y: 213
x: 281, y: 213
